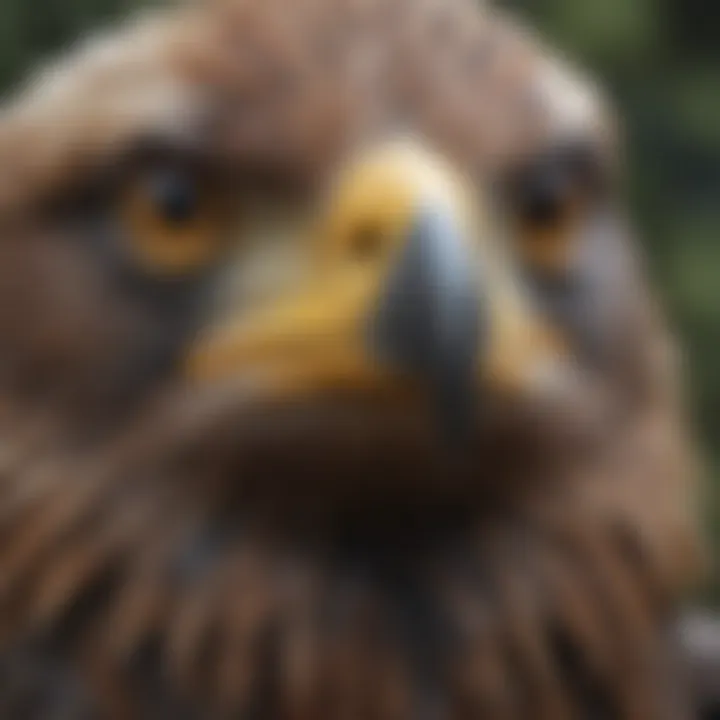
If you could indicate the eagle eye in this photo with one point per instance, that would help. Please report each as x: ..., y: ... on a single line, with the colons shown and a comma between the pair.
x: 548, y: 198
x: 172, y: 219
x: 544, y: 199
x: 175, y: 196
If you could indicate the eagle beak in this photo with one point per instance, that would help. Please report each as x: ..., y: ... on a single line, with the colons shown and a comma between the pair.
x: 415, y: 312
x: 428, y: 319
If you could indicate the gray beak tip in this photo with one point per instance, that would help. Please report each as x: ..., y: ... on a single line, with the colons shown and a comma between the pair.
x: 428, y: 322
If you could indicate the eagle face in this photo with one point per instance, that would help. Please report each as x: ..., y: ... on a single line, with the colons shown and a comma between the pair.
x: 360, y: 283
x: 314, y: 312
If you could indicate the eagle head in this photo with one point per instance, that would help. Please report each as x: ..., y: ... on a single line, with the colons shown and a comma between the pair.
x: 330, y: 371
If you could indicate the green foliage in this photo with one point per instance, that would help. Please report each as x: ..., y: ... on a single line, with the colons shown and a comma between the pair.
x: 611, y: 32
x: 32, y: 30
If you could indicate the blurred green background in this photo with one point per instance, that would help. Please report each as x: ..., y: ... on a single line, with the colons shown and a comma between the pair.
x: 660, y: 61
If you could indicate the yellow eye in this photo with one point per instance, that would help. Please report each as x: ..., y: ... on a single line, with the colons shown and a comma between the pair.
x: 173, y: 221
x: 550, y: 199
x: 547, y: 230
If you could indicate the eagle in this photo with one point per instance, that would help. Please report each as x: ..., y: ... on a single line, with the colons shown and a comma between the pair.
x: 332, y: 384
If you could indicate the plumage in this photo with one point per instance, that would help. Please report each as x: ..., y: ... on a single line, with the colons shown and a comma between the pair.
x: 259, y: 521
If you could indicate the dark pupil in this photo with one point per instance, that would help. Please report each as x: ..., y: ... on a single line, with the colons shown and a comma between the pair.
x: 544, y: 195
x: 175, y: 197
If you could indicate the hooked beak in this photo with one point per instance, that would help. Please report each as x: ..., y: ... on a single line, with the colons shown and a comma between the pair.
x: 412, y: 314
x: 428, y: 318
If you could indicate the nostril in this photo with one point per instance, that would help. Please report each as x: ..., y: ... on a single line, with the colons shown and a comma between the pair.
x: 366, y: 242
